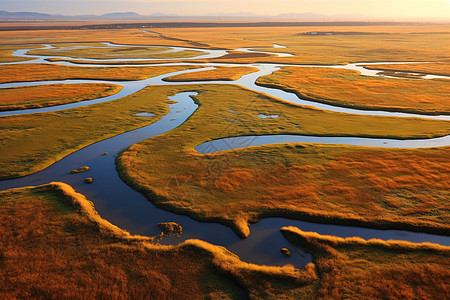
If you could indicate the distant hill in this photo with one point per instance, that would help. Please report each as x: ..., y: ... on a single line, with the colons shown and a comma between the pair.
x: 33, y: 16
x: 121, y: 15
x: 5, y: 15
x: 226, y: 17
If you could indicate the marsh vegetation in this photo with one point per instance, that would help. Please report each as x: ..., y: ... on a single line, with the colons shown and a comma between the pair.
x: 54, y: 243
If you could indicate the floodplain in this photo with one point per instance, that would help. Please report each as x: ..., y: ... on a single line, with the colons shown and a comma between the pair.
x: 130, y: 109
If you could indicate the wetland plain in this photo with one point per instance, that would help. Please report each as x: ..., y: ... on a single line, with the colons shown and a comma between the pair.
x: 109, y: 135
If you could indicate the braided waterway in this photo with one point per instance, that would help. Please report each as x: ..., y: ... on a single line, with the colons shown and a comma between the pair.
x: 128, y: 209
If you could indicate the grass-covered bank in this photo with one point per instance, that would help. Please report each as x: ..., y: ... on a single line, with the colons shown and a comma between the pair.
x: 400, y: 188
x: 345, y: 44
x: 349, y: 88
x: 54, y: 244
x: 219, y: 73
x: 32, y: 142
x: 45, y: 72
x: 435, y: 68
x: 51, y: 95
x: 353, y: 268
x: 102, y: 51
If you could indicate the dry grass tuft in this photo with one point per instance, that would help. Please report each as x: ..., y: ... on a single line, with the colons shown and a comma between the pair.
x: 170, y: 228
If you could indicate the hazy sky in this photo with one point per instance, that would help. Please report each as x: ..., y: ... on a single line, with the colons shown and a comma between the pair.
x: 374, y: 8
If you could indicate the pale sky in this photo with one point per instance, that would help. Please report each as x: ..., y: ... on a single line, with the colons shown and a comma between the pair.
x: 421, y: 9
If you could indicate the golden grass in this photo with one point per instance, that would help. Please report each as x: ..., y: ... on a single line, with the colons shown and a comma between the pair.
x: 307, y: 238
x: 219, y: 73
x: 106, y: 52
x: 106, y: 63
x: 438, y: 68
x: 86, y: 209
x: 123, y: 36
x: 51, y: 95
x: 54, y: 243
x: 52, y: 248
x: 353, y: 268
x: 39, y: 72
x: 6, y: 57
x: 7, y: 51
x: 393, y: 43
x: 350, y: 89
x: 364, y: 186
x: 232, y: 57
x: 401, y: 74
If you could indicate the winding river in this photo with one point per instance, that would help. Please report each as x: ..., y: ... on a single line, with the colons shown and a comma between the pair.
x: 128, y: 209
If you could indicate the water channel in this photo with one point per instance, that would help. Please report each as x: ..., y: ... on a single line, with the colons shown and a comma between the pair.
x: 128, y: 209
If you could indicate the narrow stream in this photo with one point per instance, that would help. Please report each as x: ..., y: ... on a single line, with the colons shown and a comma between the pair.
x: 128, y: 209
x: 239, y: 142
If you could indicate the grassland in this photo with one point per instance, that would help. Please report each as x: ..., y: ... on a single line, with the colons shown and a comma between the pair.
x: 349, y: 88
x: 124, y: 36
x: 354, y: 268
x: 438, y: 68
x: 231, y: 57
x: 41, y: 72
x: 353, y: 185
x: 219, y: 73
x: 30, y: 143
x: 105, y: 52
x: 6, y: 57
x: 55, y: 245
x: 51, y: 95
x: 373, y: 43
x: 110, y: 63
x: 7, y: 51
